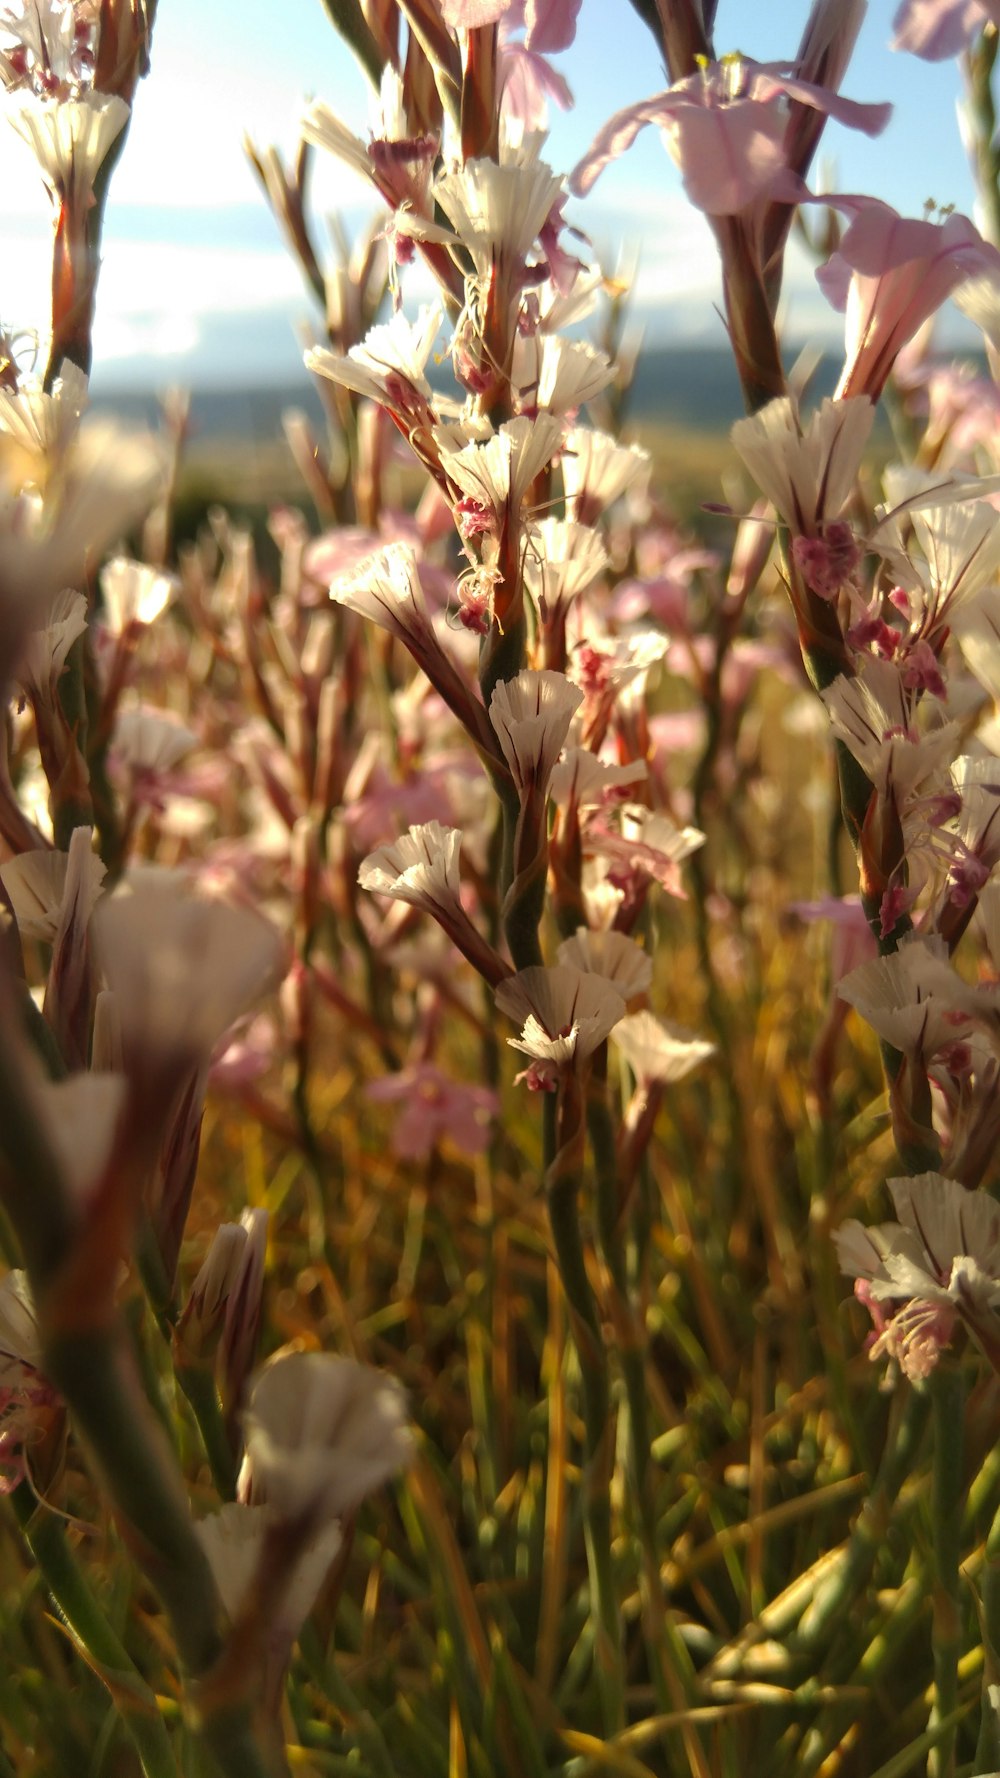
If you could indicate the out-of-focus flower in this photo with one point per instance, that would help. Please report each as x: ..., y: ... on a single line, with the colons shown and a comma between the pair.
x: 321, y: 1433
x: 432, y: 1106
x: 649, y: 844
x: 611, y: 954
x: 80, y: 1116
x: 937, y: 29
x: 939, y: 1264
x: 182, y: 970
x: 70, y: 139
x: 658, y: 1051
x: 133, y: 593
x: 234, y: 1540
x: 45, y: 651
x: 36, y: 884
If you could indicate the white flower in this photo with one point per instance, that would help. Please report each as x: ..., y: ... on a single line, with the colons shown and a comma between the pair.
x: 599, y: 470
x: 182, y: 969
x: 151, y: 740
x: 912, y: 998
x: 610, y: 954
x: 563, y: 1013
x: 36, y: 884
x: 420, y: 868
x: 45, y: 651
x: 657, y: 1050
x: 558, y: 374
x: 562, y: 560
x: 234, y: 1538
x: 587, y: 781
x: 874, y: 717
x: 531, y: 716
x: 807, y: 471
x: 498, y: 211
x: 386, y: 589
x: 133, y: 593
x: 940, y: 1261
x: 321, y: 1434
x: 70, y: 139
x: 499, y: 473
x: 396, y: 351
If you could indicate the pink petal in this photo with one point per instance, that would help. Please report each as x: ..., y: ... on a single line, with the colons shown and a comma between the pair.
x: 618, y: 134
x: 550, y: 25
x: 728, y: 155
x: 470, y: 15
x: 872, y: 119
x: 528, y: 83
x: 937, y: 29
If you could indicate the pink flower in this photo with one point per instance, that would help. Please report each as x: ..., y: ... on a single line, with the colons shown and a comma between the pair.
x: 937, y: 29
x: 890, y: 274
x: 433, y: 1106
x: 726, y: 128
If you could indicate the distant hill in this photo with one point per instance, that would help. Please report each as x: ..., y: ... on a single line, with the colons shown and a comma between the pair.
x: 690, y: 387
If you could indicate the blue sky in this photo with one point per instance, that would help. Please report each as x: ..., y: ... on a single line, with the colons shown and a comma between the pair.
x: 197, y: 287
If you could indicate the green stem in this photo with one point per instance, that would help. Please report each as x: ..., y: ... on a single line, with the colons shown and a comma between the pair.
x: 947, y: 1392
x: 563, y: 1151
x: 135, y: 1702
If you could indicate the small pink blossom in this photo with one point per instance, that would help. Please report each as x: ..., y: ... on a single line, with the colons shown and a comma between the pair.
x: 434, y: 1106
x: 827, y: 562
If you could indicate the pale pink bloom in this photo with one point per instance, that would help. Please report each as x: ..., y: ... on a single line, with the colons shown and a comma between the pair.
x: 473, y: 15
x: 937, y: 29
x: 853, y: 941
x: 939, y: 1263
x: 531, y: 716
x: 610, y: 954
x: 890, y: 273
x: 563, y: 1013
x: 725, y: 127
x: 36, y: 884
x: 529, y: 82
x: 432, y: 1106
x: 657, y: 1050
x: 807, y: 469
x: 321, y: 1434
x: 562, y: 560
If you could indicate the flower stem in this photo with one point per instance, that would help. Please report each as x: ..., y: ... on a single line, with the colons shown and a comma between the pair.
x: 564, y: 1139
x: 947, y: 1392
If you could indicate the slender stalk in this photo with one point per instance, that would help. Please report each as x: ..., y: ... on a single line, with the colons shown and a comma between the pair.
x: 105, y: 1655
x: 947, y: 1392
x: 563, y: 1151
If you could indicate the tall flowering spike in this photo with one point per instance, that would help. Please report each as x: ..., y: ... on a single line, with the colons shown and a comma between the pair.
x: 806, y: 469
x: 531, y: 716
x: 563, y: 1013
x: 321, y: 1433
x: 937, y: 1265
x: 182, y: 970
x: 890, y: 274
